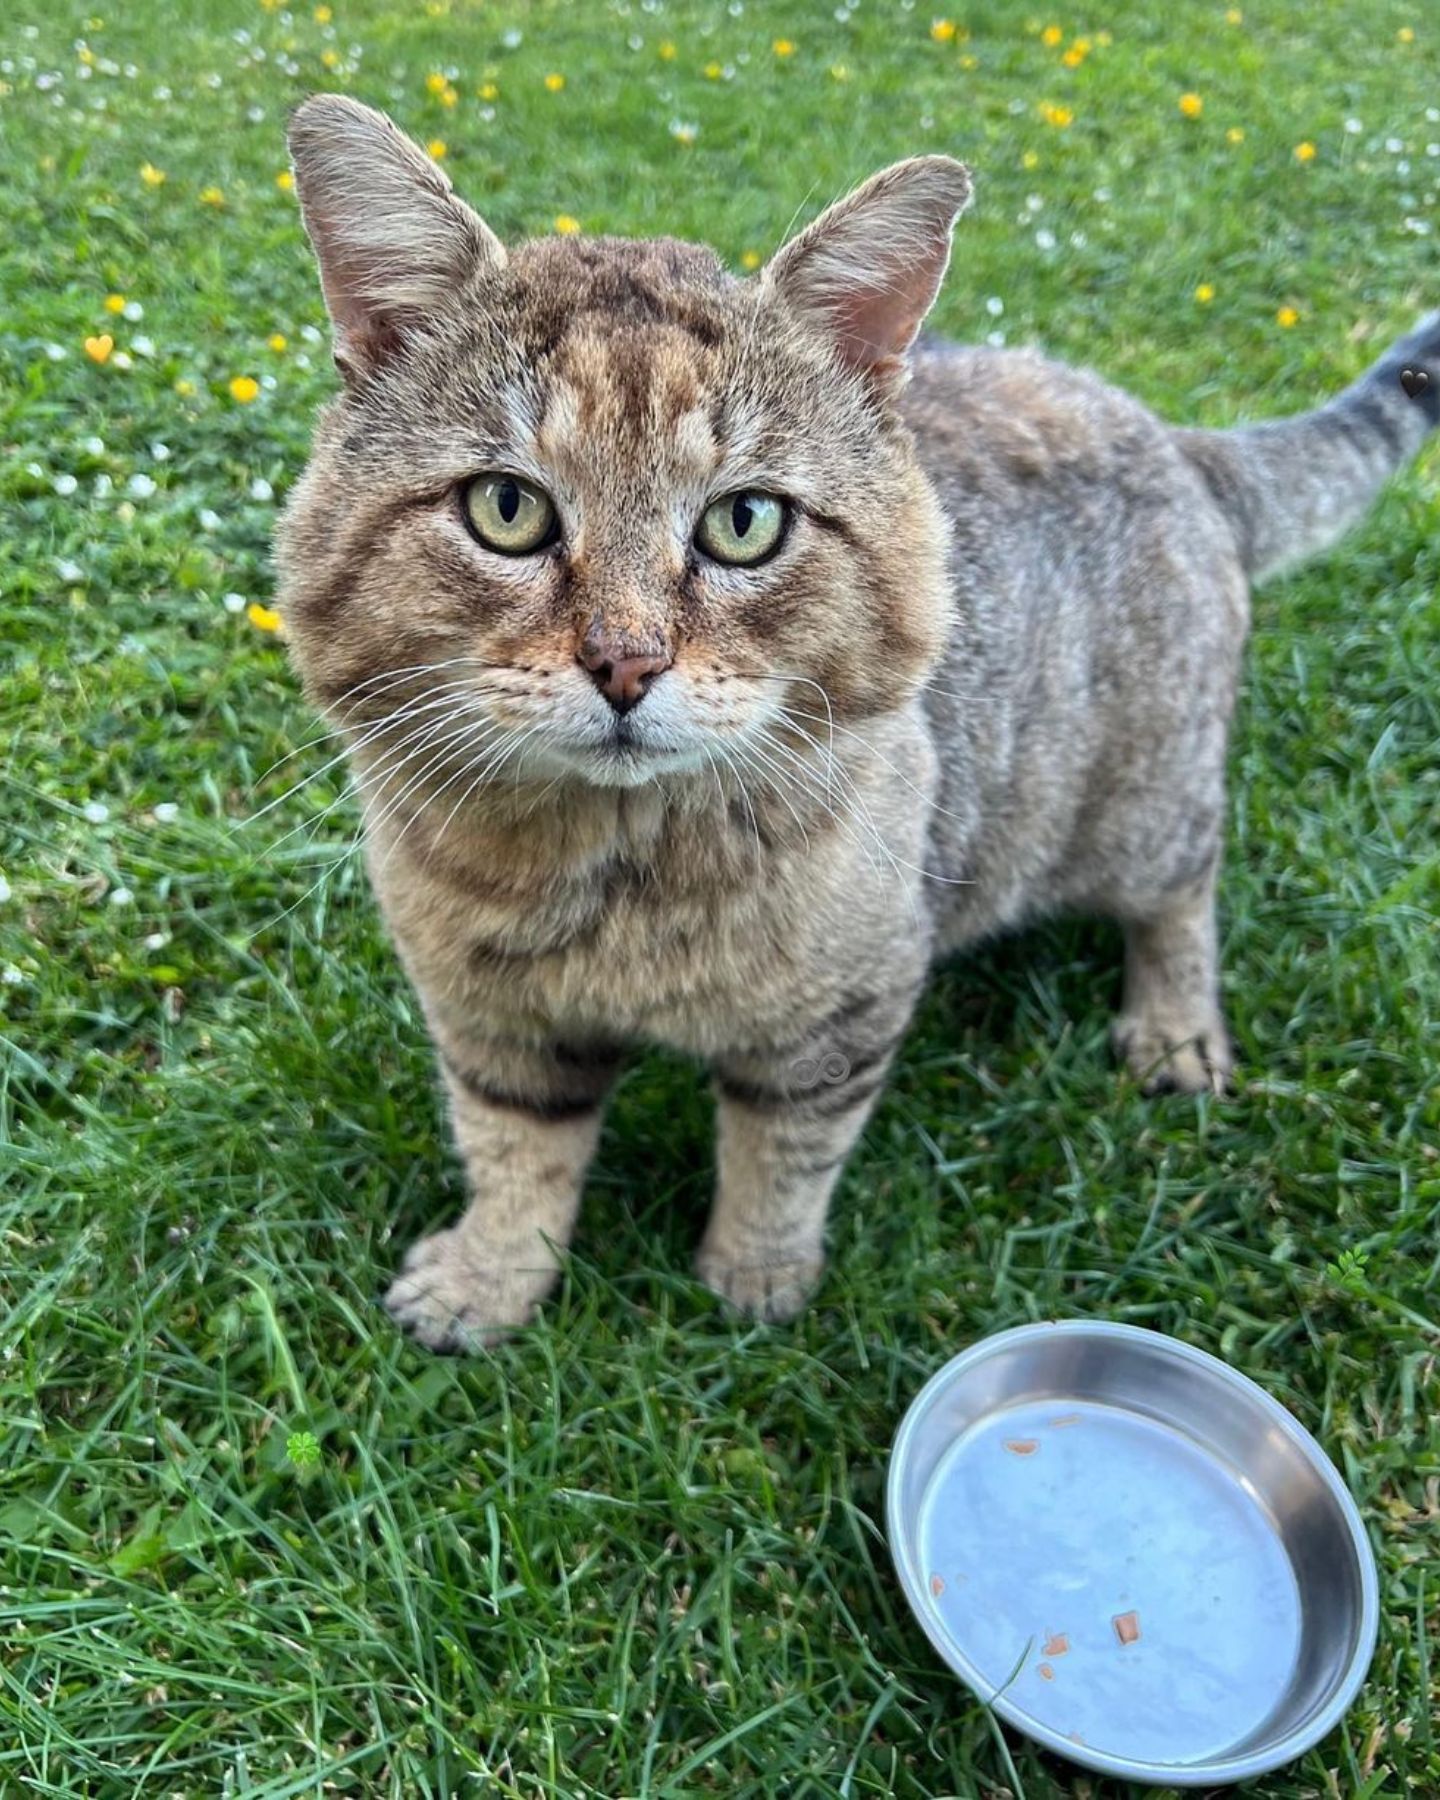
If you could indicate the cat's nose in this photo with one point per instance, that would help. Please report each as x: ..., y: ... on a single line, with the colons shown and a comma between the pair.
x: 623, y: 680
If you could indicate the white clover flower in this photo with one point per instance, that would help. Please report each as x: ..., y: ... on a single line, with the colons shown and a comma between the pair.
x: 235, y: 603
x: 68, y: 571
x: 11, y: 976
x: 994, y: 306
x: 1045, y: 239
x: 120, y: 360
x: 143, y: 346
x: 93, y: 446
x: 121, y: 896
x: 96, y: 811
x: 996, y: 340
x: 166, y: 812
x: 5, y: 890
x: 260, y: 489
x: 133, y: 311
x: 141, y: 486
x: 56, y: 352
x: 65, y: 485
x: 209, y: 521
x: 160, y: 452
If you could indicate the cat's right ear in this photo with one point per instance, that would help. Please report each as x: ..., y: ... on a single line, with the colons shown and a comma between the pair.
x: 392, y: 237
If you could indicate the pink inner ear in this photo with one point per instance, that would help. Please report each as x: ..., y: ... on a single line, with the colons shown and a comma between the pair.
x: 875, y: 323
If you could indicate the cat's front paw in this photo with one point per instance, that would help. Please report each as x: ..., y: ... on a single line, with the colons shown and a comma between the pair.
x: 1174, y: 1056
x: 772, y: 1290
x: 449, y: 1297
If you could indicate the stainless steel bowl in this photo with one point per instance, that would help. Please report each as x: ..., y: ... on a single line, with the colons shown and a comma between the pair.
x: 1133, y: 1553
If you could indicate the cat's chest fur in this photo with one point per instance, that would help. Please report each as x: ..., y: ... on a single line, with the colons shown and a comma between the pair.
x: 705, y: 921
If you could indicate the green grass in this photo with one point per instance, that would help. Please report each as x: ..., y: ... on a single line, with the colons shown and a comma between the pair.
x: 640, y: 1550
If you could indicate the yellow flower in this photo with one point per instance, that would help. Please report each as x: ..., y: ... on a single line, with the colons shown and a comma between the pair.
x: 1056, y: 115
x: 244, y: 388
x: 184, y: 388
x: 489, y: 91
x: 1204, y: 293
x: 1051, y: 36
x: 86, y: 55
x: 1103, y: 39
x: 1406, y: 34
x: 330, y: 59
x: 285, y: 181
x: 151, y: 176
x: 1191, y: 105
x: 667, y: 51
x: 942, y: 30
x: 749, y: 259
x: 1030, y: 160
x: 263, y: 618
x: 1286, y: 317
x: 969, y: 62
x: 713, y: 71
x: 449, y: 97
x: 436, y: 83
x: 438, y: 148
x: 554, y: 83
x: 98, y: 348
x: 115, y: 303
x: 323, y: 15
x: 566, y: 226
x: 1305, y: 152
x: 212, y: 196
x: 783, y: 47
x: 838, y: 72
x: 1073, y: 57
x: 1235, y: 135
x: 277, y: 341
x: 1234, y: 16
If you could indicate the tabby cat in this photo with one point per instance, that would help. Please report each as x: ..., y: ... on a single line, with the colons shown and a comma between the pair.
x: 713, y: 656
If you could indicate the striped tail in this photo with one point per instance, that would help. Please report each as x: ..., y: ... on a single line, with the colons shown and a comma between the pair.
x: 1291, y: 487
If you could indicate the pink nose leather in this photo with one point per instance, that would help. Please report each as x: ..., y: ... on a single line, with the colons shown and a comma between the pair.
x: 623, y: 680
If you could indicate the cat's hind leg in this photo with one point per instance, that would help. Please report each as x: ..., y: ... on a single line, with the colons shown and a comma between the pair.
x: 1170, y: 1030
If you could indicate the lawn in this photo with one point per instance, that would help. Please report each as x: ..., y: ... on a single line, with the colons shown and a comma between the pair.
x: 639, y: 1551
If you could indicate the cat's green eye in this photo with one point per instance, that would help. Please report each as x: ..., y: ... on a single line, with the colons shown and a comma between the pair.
x: 742, y: 528
x: 509, y: 515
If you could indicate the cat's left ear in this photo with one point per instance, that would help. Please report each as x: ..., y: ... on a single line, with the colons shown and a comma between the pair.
x: 393, y: 239
x: 866, y: 272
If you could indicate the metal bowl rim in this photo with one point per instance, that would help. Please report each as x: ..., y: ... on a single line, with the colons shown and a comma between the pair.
x: 1241, y: 1768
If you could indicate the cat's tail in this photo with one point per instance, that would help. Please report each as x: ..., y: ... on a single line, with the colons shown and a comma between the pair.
x: 1291, y: 487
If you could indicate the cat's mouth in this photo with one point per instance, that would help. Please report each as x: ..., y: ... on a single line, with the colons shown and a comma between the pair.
x: 623, y: 758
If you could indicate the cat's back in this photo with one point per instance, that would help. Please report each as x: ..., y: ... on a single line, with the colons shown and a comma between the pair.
x: 1014, y: 430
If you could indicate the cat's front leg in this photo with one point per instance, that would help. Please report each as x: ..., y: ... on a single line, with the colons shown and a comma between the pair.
x: 786, y: 1123
x: 526, y: 1121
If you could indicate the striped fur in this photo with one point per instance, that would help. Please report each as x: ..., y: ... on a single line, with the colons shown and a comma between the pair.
x: 987, y: 675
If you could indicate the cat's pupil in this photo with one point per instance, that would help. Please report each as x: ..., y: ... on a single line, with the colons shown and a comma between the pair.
x: 508, y: 501
x: 741, y: 513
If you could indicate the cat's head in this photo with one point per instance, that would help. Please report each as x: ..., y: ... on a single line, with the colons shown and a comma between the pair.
x: 596, y: 508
